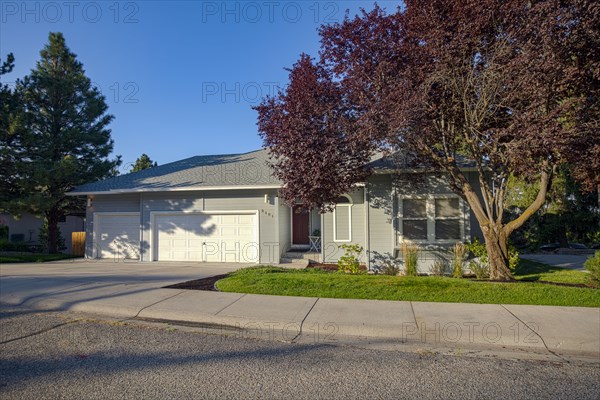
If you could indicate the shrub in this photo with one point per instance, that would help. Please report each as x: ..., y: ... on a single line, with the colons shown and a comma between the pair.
x: 385, y: 264
x: 43, y: 238
x: 5, y: 245
x: 349, y: 262
x: 439, y: 267
x: 459, y: 253
x: 478, y: 250
x: 481, y: 270
x: 3, y: 232
x: 411, y: 258
x: 592, y: 264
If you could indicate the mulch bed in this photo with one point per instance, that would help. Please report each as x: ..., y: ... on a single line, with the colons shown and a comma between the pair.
x: 199, y: 284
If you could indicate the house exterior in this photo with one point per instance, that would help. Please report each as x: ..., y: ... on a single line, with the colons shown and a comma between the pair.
x: 26, y: 228
x: 226, y: 208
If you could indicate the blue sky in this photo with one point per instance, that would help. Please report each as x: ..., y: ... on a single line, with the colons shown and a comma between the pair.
x: 179, y: 77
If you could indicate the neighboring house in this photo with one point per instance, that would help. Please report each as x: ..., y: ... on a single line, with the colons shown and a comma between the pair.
x: 226, y: 208
x: 26, y: 228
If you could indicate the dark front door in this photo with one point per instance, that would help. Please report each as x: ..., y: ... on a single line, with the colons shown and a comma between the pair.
x: 299, y: 225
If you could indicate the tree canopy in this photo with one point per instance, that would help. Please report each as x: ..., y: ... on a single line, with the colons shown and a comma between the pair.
x: 511, y: 85
x: 143, y: 162
x: 64, y: 141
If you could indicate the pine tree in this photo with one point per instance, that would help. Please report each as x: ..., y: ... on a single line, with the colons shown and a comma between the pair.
x: 10, y: 139
x: 143, y: 162
x: 66, y: 140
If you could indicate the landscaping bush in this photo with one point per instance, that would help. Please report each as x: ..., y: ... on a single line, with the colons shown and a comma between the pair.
x: 349, y: 262
x: 481, y: 270
x: 3, y: 232
x: 6, y: 245
x: 478, y: 250
x: 459, y: 254
x: 592, y: 264
x: 411, y: 257
x: 439, y: 268
x: 385, y: 264
x: 43, y: 238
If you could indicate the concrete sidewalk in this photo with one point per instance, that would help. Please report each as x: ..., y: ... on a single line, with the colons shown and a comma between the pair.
x: 134, y: 292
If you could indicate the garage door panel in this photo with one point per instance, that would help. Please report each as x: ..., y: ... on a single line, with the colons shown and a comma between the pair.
x: 117, y: 236
x: 206, y: 237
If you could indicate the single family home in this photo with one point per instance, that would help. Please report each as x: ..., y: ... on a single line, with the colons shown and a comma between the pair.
x: 226, y: 208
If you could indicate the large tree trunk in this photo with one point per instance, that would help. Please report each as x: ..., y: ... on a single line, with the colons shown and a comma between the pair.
x: 52, y: 217
x: 496, y: 244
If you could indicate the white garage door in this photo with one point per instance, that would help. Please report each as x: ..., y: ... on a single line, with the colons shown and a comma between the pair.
x: 117, y: 236
x: 206, y: 237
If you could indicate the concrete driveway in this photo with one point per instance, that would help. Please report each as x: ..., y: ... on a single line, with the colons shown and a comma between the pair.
x: 94, y: 286
x: 559, y: 260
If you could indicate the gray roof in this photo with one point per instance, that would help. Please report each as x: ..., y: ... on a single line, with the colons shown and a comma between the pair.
x: 400, y: 161
x: 247, y: 170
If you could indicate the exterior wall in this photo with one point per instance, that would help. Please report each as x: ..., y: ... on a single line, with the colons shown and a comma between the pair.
x: 381, y: 217
x: 29, y: 226
x: 107, y: 203
x: 383, y: 213
x: 285, y: 226
x: 329, y: 248
x: 232, y: 200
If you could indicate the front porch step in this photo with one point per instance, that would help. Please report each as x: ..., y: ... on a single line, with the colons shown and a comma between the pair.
x: 303, y: 255
x: 297, y: 263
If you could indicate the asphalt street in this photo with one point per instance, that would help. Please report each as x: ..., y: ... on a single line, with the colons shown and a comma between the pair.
x: 52, y: 355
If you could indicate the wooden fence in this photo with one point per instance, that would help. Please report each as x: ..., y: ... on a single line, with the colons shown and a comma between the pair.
x: 78, y: 243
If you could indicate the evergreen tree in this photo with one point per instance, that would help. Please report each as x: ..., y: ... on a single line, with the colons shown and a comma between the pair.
x: 66, y: 140
x: 143, y: 162
x: 10, y: 139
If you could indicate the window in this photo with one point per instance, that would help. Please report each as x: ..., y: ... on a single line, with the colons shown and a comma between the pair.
x: 431, y: 219
x: 342, y: 220
x: 447, y: 219
x: 414, y: 221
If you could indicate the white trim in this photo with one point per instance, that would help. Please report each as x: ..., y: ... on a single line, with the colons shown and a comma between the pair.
x: 95, y: 233
x: 430, y: 217
x: 349, y: 205
x: 176, y: 189
x: 153, y: 214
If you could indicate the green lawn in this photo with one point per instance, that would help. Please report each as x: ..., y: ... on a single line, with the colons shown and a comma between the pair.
x: 532, y: 271
x: 317, y: 283
x: 31, y: 257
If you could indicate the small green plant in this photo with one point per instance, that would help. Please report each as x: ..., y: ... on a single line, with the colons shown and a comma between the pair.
x: 439, y: 267
x: 385, y: 263
x: 459, y: 254
x: 316, y: 232
x: 592, y: 264
x: 481, y: 270
x: 43, y: 237
x: 349, y: 262
x: 3, y: 232
x: 390, y: 268
x: 5, y: 245
x: 411, y: 257
x: 478, y: 250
